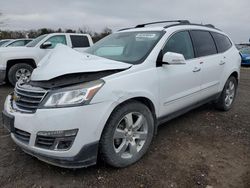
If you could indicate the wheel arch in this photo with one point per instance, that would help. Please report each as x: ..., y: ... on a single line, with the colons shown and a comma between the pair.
x: 12, y: 62
x: 236, y: 75
x: 144, y: 100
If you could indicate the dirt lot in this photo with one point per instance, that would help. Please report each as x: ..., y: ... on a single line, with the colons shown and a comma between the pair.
x: 203, y: 148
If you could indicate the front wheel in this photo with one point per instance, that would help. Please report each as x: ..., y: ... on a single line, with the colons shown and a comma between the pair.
x: 127, y: 135
x: 19, y: 71
x: 228, y: 95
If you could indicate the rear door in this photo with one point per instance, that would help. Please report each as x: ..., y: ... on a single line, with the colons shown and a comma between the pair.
x: 207, y: 56
x: 223, y: 44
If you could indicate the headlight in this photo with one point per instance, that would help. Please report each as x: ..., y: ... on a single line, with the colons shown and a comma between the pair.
x: 74, y: 95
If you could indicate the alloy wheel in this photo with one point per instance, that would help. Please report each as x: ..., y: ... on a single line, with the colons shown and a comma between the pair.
x: 230, y: 93
x: 130, y: 135
x: 23, y: 74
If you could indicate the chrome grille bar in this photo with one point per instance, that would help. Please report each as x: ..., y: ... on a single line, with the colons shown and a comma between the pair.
x: 27, y: 98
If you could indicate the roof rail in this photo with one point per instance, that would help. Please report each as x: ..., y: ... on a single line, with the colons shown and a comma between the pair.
x: 126, y: 28
x: 176, y: 23
x: 194, y: 24
x: 210, y: 25
x: 159, y: 22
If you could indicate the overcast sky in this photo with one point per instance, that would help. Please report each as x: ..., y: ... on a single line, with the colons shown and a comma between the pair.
x: 232, y: 16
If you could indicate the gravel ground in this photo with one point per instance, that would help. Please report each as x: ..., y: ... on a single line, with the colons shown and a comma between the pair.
x: 203, y: 148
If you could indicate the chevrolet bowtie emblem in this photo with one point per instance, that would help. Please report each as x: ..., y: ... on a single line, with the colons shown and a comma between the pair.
x: 16, y: 98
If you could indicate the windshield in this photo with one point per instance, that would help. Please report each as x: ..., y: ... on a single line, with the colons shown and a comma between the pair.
x: 36, y: 41
x: 245, y: 50
x: 128, y: 47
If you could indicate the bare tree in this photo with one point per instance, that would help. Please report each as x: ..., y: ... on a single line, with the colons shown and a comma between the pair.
x: 85, y: 29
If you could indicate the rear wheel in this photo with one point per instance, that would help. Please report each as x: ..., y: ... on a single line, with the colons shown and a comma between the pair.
x: 127, y: 135
x: 228, y: 95
x: 19, y: 71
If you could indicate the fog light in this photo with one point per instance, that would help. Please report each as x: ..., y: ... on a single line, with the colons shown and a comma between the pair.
x: 56, y: 140
x: 64, y: 144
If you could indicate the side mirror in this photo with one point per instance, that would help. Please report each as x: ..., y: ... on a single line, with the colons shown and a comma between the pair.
x: 171, y: 58
x: 46, y: 45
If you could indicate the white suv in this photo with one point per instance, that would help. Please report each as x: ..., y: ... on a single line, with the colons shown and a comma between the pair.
x: 110, y: 101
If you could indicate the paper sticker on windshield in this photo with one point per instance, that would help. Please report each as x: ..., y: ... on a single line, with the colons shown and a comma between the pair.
x: 146, y: 35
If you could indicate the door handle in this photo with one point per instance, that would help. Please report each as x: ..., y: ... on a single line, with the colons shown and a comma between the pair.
x: 222, y: 63
x: 197, y: 69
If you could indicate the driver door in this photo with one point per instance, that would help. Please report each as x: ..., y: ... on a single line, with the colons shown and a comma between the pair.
x: 180, y: 84
x: 54, y: 40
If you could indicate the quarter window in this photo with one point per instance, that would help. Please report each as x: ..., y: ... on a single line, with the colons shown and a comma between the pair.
x: 58, y: 39
x: 203, y: 43
x: 79, y: 41
x: 222, y: 42
x: 180, y: 43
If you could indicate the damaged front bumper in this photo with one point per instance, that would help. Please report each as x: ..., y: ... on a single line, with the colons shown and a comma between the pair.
x: 25, y: 129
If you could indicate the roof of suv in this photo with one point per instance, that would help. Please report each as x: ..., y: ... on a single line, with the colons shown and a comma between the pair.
x: 181, y: 24
x: 84, y: 34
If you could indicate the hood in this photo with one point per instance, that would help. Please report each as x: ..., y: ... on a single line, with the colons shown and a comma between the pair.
x: 64, y: 61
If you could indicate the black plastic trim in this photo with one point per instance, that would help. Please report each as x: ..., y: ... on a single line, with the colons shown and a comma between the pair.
x: 179, y: 22
x: 214, y: 42
x: 159, y: 59
x: 185, y: 110
x: 167, y: 21
x: 86, y: 157
x: 193, y: 24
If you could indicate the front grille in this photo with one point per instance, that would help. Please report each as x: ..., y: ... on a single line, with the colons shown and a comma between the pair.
x: 45, y: 142
x: 27, y: 98
x: 22, y: 136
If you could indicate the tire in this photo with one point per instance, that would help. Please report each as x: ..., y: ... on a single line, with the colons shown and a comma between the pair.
x: 122, y: 152
x: 227, y: 97
x: 22, y: 69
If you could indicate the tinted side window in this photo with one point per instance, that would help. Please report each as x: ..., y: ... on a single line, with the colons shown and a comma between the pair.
x: 180, y: 43
x: 27, y: 41
x: 203, y: 43
x: 17, y: 43
x: 79, y: 41
x: 222, y: 42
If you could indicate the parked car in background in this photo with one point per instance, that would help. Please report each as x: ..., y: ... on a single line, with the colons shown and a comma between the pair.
x: 19, y: 62
x: 17, y: 42
x: 110, y: 100
x: 245, y: 55
x: 4, y: 41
